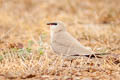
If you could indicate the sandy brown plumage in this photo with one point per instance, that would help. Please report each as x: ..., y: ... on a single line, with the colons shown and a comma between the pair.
x: 64, y: 43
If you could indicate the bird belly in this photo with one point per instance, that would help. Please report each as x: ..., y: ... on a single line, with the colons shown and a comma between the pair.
x: 59, y: 49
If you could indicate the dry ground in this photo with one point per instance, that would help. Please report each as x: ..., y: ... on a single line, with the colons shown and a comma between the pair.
x: 25, y: 52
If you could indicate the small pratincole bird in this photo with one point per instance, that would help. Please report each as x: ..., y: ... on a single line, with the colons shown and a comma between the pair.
x: 64, y: 43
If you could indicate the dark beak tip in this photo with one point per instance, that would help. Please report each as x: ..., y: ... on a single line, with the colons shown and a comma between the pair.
x: 48, y: 24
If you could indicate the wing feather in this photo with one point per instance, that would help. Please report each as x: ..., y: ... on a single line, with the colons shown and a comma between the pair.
x: 68, y: 45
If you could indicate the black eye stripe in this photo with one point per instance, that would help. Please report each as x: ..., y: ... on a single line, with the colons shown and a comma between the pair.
x: 51, y: 23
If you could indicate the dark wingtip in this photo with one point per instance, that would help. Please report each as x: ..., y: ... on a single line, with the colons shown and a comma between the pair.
x: 93, y: 56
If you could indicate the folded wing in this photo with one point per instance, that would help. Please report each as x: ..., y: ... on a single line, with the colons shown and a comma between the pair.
x: 65, y: 44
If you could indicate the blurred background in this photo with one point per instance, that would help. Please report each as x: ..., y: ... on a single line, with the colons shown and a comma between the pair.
x: 25, y: 39
x: 22, y: 20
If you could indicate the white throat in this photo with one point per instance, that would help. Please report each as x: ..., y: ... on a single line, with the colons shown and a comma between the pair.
x: 51, y: 33
x: 52, y: 29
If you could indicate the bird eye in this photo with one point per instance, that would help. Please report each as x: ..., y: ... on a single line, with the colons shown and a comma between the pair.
x: 55, y: 23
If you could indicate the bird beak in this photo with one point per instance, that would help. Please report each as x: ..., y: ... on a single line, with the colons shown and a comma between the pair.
x: 51, y: 23
x: 48, y: 23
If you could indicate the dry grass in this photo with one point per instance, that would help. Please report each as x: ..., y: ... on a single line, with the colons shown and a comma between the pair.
x: 24, y: 54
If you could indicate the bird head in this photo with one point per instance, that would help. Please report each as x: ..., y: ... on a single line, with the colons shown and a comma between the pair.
x: 56, y: 26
